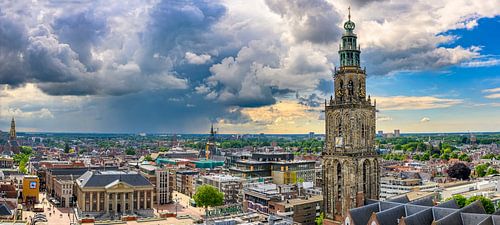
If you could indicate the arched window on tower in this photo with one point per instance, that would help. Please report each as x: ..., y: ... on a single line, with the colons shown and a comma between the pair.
x: 339, y: 128
x: 366, y: 178
x: 363, y: 130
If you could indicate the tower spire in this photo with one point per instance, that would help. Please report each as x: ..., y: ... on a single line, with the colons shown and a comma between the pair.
x: 12, y: 132
x: 349, y: 16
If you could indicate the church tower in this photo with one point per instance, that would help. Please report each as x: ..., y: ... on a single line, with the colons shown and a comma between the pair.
x: 12, y: 132
x: 350, y: 162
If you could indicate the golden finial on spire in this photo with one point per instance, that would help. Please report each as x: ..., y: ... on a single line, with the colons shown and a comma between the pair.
x: 349, y: 16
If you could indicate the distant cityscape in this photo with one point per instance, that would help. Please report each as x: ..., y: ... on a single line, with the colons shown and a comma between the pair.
x: 350, y: 174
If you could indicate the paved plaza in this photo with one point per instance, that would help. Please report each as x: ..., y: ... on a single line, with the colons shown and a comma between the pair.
x: 185, y: 213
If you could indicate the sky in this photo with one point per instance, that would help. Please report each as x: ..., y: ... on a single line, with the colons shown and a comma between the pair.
x: 263, y: 66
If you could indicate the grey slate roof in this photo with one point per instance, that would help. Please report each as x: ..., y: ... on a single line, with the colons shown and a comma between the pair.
x: 400, y: 199
x: 451, y: 219
x: 441, y: 212
x: 487, y: 221
x: 422, y: 212
x: 412, y: 209
x: 423, y: 202
x: 452, y: 204
x: 388, y: 205
x: 423, y: 217
x: 473, y: 218
x: 362, y: 214
x: 104, y: 178
x: 391, y: 216
x: 4, y: 210
x: 475, y: 207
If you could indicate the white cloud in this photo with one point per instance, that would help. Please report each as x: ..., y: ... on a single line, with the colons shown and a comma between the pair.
x: 495, y: 95
x: 382, y: 118
x: 491, y: 90
x: 414, y: 102
x: 425, y: 119
x: 482, y: 63
x: 197, y: 59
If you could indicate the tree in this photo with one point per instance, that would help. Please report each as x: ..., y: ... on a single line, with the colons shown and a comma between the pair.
x: 319, y: 219
x: 464, y: 157
x: 148, y: 158
x: 481, y: 170
x: 491, y: 171
x: 66, y: 148
x: 459, y: 171
x: 26, y: 150
x: 130, y: 151
x: 459, y: 199
x: 208, y: 196
x: 487, y: 203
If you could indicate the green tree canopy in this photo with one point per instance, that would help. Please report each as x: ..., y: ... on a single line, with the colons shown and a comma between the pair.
x: 319, y: 219
x: 481, y: 170
x: 130, y: 151
x: 464, y: 157
x: 459, y: 199
x: 148, y: 158
x: 208, y: 196
x: 491, y: 171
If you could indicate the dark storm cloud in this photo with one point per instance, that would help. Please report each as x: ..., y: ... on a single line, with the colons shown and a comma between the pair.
x: 13, y: 39
x: 81, y: 31
x: 312, y: 20
x: 177, y: 27
x: 163, y: 115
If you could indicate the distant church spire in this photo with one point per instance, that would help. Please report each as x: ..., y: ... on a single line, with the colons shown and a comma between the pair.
x: 12, y: 133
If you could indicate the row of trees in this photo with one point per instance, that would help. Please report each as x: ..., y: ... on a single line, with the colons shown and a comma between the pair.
x: 22, y: 158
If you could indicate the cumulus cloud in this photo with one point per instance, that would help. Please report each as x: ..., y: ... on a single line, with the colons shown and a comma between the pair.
x: 310, y: 20
x: 197, y: 59
x: 414, y: 102
x: 425, y: 119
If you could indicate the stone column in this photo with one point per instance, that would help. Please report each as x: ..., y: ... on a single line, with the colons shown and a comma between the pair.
x: 98, y: 201
x: 123, y: 203
x: 83, y: 206
x: 152, y: 200
x: 131, y: 204
x: 136, y: 204
x: 106, y: 202
x: 115, y: 202
x: 91, y: 201
x: 145, y: 199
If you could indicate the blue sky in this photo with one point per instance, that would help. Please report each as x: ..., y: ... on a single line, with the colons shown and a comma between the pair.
x: 179, y: 66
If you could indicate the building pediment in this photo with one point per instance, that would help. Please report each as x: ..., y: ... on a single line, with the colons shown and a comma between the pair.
x: 118, y: 185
